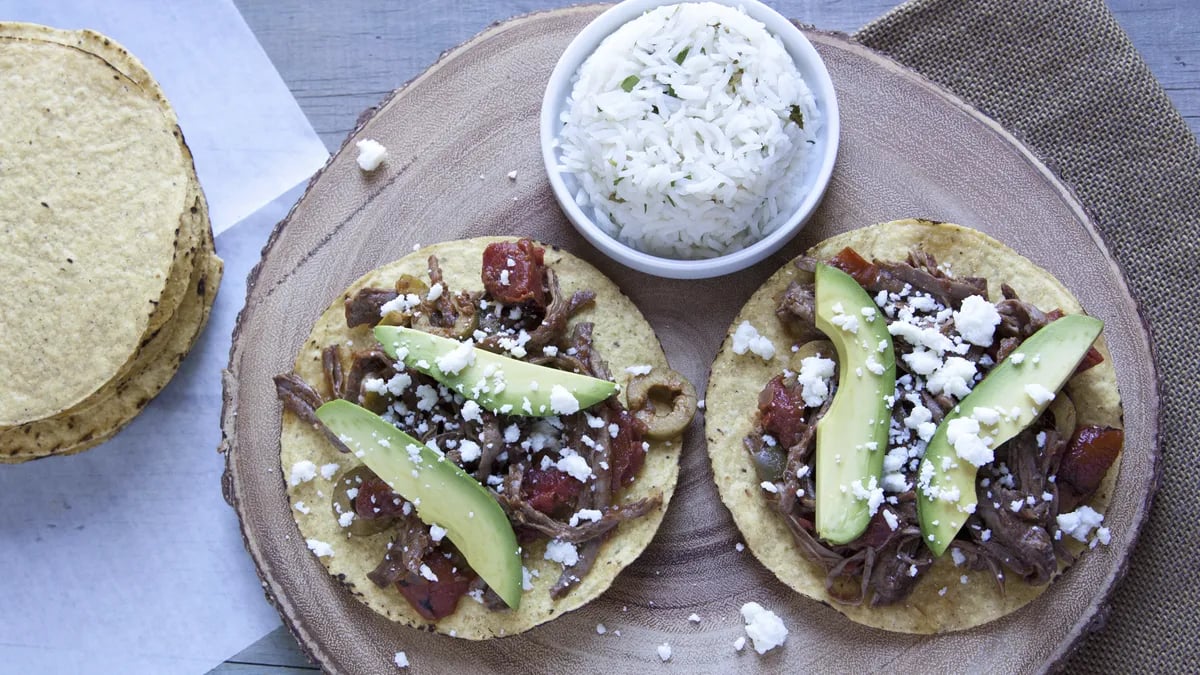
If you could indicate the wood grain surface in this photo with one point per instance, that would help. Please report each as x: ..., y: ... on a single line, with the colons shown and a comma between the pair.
x: 340, y: 58
x: 904, y: 152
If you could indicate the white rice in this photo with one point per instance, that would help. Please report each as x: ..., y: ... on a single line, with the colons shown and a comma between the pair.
x: 678, y: 133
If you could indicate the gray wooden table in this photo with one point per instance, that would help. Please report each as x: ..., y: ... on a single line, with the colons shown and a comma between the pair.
x: 340, y: 58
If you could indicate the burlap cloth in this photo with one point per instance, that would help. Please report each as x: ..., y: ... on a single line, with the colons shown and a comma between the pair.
x: 1062, y: 76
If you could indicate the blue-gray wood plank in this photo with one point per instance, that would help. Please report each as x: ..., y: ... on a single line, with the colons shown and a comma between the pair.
x: 340, y: 58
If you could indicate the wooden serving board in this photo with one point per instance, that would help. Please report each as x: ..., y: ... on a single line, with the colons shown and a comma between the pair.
x: 453, y: 134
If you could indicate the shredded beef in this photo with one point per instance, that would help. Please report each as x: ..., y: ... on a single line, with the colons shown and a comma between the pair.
x: 364, y: 308
x: 884, y: 564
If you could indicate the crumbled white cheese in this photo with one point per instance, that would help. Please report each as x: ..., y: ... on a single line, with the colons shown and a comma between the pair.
x: 469, y: 450
x: 319, y: 548
x: 874, y: 365
x: 329, y: 470
x: 815, y: 373
x: 575, y: 466
x: 954, y: 377
x: 746, y: 338
x: 963, y: 434
x: 452, y: 362
x: 346, y: 518
x: 872, y: 494
x: 303, y: 471
x: 984, y: 415
x: 739, y: 644
x: 400, y: 659
x: 922, y: 361
x: 958, y: 556
x: 427, y: 573
x: 512, y: 433
x: 892, y: 520
x: 299, y: 506
x: 694, y: 618
x: 1017, y: 358
x: 563, y: 402
x: 769, y: 486
x: 436, y: 532
x: 639, y: 370
x: 403, y: 303
x: 739, y: 547
x: 765, y: 629
x: 585, y: 514
x: 664, y: 651
x: 977, y: 321
x: 1080, y: 522
x: 600, y: 629
x: 1039, y: 394
x: 563, y: 552
x: 371, y: 154
x: 435, y: 292
x: 512, y: 175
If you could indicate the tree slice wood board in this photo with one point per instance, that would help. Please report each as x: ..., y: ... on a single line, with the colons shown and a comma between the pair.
x: 453, y: 134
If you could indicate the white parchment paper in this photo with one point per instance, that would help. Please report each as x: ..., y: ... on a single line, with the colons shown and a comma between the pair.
x: 249, y: 137
x: 126, y: 559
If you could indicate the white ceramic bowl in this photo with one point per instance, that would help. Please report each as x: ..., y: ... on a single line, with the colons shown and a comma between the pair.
x: 816, y: 177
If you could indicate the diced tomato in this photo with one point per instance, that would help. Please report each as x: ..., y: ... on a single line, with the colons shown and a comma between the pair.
x: 782, y: 411
x: 375, y: 499
x: 849, y: 261
x: 513, y: 272
x: 549, y: 490
x: 434, y: 600
x: 627, y: 453
x: 1085, y: 462
x: 1092, y: 358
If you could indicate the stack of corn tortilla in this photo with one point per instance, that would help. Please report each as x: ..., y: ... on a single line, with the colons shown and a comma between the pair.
x: 106, y: 251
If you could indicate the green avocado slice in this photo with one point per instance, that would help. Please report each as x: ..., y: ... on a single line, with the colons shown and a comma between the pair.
x: 441, y: 492
x: 1041, y: 365
x: 852, y: 437
x: 495, y: 382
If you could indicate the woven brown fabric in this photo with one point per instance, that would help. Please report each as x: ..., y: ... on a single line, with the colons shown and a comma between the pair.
x: 1063, y: 76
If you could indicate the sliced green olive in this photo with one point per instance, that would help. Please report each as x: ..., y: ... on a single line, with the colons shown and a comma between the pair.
x: 664, y: 401
x: 1063, y: 410
x: 346, y: 480
x: 821, y: 348
x: 769, y: 463
x: 406, y: 284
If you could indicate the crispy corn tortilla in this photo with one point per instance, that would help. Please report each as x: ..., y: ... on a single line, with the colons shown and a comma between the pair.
x: 732, y: 400
x: 115, y: 404
x: 96, y: 188
x: 622, y: 336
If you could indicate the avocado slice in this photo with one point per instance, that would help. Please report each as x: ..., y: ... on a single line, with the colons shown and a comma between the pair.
x: 495, y: 382
x: 1009, y: 399
x: 852, y: 437
x: 442, y: 493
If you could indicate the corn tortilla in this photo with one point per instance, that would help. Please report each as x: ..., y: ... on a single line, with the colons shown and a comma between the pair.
x: 732, y: 398
x: 119, y: 401
x: 95, y: 187
x: 622, y: 336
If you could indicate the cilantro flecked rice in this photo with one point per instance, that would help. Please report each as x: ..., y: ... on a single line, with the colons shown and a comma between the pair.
x: 688, y: 132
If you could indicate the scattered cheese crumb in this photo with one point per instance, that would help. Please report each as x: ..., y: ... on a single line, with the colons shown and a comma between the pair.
x: 739, y: 547
x: 814, y: 376
x: 1039, y: 394
x: 639, y: 370
x: 563, y: 402
x: 371, y: 154
x: 319, y: 548
x: 764, y: 627
x: 563, y: 552
x: 664, y: 651
x: 512, y: 175
x: 575, y: 466
x: 303, y: 471
x: 694, y: 618
x: 746, y: 338
x: 600, y: 629
x: 401, y: 660
x: 299, y: 506
x: 977, y: 321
